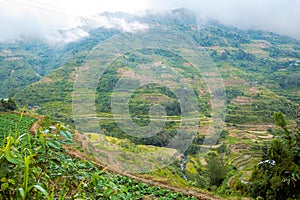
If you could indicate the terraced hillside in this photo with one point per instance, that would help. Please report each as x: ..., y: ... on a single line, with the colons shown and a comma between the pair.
x: 66, y: 171
x: 27, y: 61
x: 255, y: 83
x: 259, y: 71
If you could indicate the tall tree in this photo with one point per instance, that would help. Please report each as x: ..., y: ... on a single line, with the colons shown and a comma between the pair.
x: 278, y: 177
x: 215, y: 168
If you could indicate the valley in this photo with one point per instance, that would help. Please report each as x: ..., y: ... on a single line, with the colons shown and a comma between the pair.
x: 178, y: 111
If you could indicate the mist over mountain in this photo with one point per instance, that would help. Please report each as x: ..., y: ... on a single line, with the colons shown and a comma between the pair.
x: 277, y: 16
x: 33, y: 56
x: 57, y: 24
x: 121, y: 21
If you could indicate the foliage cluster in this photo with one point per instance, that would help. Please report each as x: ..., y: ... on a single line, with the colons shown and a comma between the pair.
x: 10, y: 124
x: 38, y: 167
x: 7, y: 105
x: 280, y: 177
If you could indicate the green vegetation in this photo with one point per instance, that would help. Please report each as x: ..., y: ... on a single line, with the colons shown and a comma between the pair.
x: 42, y: 157
x: 38, y: 167
x: 10, y: 124
x: 260, y: 72
x: 27, y: 61
x: 7, y: 105
x: 215, y: 169
x: 146, y: 96
x: 278, y: 175
x: 52, y: 95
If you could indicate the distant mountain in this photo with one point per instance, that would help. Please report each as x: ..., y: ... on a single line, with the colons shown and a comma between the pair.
x: 27, y: 61
x: 260, y: 69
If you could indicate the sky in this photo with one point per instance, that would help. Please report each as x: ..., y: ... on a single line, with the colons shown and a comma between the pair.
x: 42, y: 18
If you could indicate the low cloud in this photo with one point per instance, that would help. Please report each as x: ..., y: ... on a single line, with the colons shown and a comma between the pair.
x: 279, y: 16
x: 76, y: 33
x: 54, y: 26
x: 18, y: 20
x: 64, y: 36
x: 28, y: 22
x: 115, y: 23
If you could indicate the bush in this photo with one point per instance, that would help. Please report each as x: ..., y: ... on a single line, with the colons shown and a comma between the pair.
x: 8, y: 105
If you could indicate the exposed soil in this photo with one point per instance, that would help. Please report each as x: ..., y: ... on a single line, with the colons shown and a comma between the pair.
x: 88, y: 147
x: 145, y: 179
x: 242, y: 101
x: 239, y: 147
x: 36, y: 125
x: 46, y: 80
x: 233, y: 82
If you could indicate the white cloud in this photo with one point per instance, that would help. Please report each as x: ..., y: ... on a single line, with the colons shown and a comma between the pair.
x: 30, y: 21
x: 91, y: 7
x: 279, y: 16
x: 66, y: 36
x: 42, y: 18
x: 74, y: 34
x: 38, y: 19
x: 116, y: 23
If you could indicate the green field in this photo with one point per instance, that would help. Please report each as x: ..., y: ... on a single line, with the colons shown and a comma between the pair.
x: 37, y: 167
x: 14, y: 123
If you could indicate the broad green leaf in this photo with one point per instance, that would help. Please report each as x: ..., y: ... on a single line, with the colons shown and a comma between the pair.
x: 67, y: 142
x: 12, y: 157
x: 4, y: 186
x: 66, y: 134
x: 4, y: 168
x: 123, y: 188
x: 54, y: 144
x: 41, y: 189
x: 108, y: 192
x: 22, y: 192
x: 12, y: 181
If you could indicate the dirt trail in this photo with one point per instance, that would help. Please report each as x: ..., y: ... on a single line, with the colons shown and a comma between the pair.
x: 85, y: 144
x: 36, y: 125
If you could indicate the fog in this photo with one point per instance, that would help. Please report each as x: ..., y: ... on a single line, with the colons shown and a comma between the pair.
x: 34, y: 18
x: 19, y: 21
x: 279, y: 16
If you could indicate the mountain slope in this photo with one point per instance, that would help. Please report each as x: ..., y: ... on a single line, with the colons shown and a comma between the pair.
x: 55, y: 168
x: 27, y: 61
x: 259, y: 69
x: 260, y: 73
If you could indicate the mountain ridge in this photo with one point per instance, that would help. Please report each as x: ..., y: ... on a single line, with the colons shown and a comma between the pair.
x: 260, y: 58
